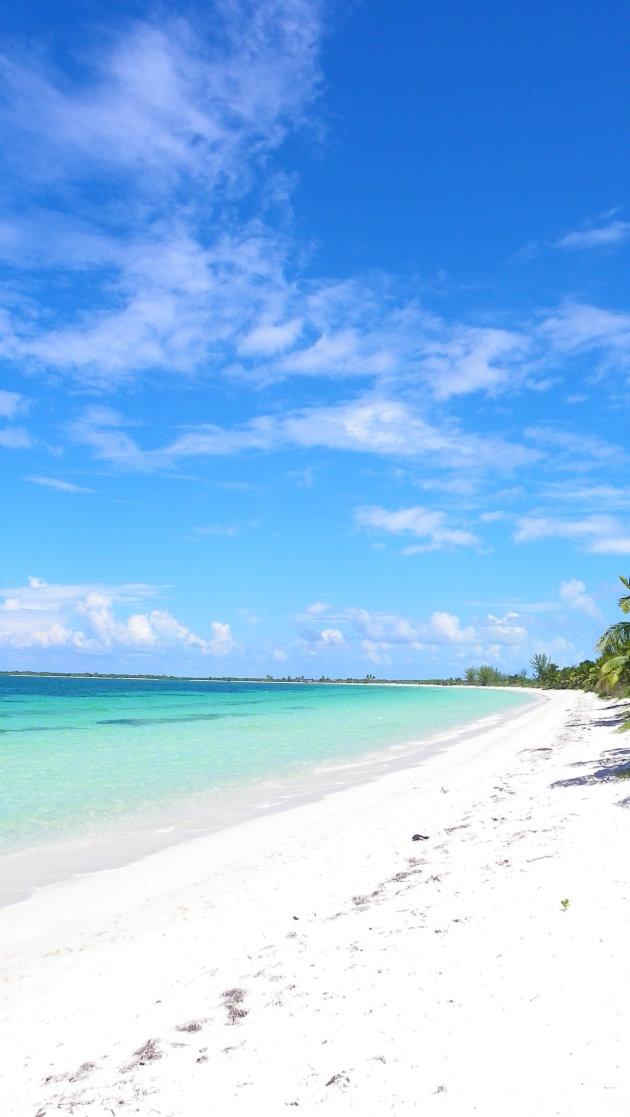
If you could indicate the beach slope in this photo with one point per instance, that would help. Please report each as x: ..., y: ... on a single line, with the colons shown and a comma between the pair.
x: 322, y: 957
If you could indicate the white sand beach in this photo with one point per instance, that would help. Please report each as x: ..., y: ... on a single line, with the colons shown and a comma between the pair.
x: 320, y: 957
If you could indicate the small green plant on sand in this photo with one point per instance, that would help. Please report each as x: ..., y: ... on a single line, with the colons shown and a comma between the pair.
x: 565, y: 904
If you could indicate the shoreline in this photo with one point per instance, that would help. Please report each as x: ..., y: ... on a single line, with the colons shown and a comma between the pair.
x: 320, y: 957
x: 122, y: 841
x: 265, y: 681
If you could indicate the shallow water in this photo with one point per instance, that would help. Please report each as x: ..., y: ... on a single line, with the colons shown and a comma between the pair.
x: 76, y: 752
x: 126, y: 760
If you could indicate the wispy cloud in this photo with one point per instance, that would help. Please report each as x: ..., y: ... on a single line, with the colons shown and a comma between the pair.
x: 580, y: 327
x: 574, y: 595
x: 11, y: 404
x: 163, y: 103
x: 368, y: 424
x: 577, y: 452
x: 15, y: 438
x: 471, y: 359
x: 598, y: 534
x: 182, y: 125
x: 217, y: 529
x: 599, y: 236
x: 61, y: 486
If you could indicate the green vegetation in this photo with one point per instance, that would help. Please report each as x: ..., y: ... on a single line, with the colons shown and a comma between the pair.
x: 609, y: 674
x: 613, y: 665
x: 491, y: 676
x: 614, y: 662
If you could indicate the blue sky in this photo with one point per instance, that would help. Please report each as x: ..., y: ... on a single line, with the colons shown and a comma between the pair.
x: 314, y: 335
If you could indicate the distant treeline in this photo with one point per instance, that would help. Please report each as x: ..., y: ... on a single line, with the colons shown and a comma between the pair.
x: 582, y: 676
x: 366, y: 679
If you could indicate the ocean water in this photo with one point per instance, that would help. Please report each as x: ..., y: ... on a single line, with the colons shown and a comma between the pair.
x: 141, y: 763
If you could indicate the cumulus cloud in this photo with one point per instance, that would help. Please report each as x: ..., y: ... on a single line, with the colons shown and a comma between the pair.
x: 87, y: 619
x: 445, y: 628
x: 388, y: 630
x: 382, y: 636
x: 316, y: 608
x: 331, y: 636
x: 503, y: 630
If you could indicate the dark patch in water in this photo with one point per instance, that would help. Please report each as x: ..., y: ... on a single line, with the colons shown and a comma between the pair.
x: 158, y: 721
x: 37, y: 729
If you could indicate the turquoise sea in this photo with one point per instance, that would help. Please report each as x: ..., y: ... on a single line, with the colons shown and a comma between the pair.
x: 97, y: 771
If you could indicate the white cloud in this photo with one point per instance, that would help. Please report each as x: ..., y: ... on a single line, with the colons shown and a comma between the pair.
x: 382, y: 628
x: 599, y: 534
x: 369, y: 424
x: 11, y: 403
x: 386, y: 637
x: 591, y: 497
x: 388, y: 630
x: 445, y: 628
x: 217, y: 529
x: 376, y: 652
x: 15, y: 438
x: 331, y: 636
x: 578, y: 452
x: 84, y: 619
x: 503, y: 630
x: 574, y: 595
x: 317, y: 608
x: 268, y: 338
x: 611, y: 545
x: 175, y: 122
x: 578, y: 327
x: 602, y: 236
x: 472, y: 359
x: 415, y: 521
x: 61, y: 486
x: 163, y: 103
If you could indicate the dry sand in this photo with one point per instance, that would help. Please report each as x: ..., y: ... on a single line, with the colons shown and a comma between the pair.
x: 321, y: 958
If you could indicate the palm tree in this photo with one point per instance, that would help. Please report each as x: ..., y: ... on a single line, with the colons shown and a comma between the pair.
x: 615, y: 647
x: 543, y: 668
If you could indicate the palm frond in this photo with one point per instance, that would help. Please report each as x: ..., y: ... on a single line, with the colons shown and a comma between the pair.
x: 616, y: 638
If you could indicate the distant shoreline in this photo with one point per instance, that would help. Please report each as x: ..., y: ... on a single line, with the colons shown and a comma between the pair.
x: 368, y: 680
